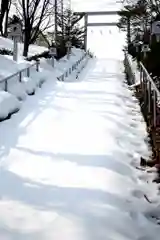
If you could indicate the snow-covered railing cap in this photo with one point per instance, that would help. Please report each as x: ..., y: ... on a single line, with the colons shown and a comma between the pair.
x: 129, y: 68
x: 153, y: 85
x: 19, y: 73
x: 72, y: 68
x: 150, y: 92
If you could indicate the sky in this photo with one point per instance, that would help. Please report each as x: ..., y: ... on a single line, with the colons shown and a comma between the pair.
x: 92, y: 5
x: 98, y: 37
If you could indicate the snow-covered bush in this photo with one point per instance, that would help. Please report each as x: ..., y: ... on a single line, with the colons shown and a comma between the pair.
x: 5, y: 51
x: 35, y: 57
x: 18, y: 90
x: 39, y: 78
x: 29, y: 85
x: 9, y: 104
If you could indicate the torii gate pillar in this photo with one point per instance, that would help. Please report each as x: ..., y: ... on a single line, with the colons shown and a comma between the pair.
x: 85, y: 29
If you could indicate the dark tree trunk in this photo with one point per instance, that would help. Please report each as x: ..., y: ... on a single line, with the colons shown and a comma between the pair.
x: 4, y: 10
x: 27, y: 37
x: 26, y: 47
x: 26, y: 44
x: 33, y: 12
x: 6, y: 24
x: 128, y: 30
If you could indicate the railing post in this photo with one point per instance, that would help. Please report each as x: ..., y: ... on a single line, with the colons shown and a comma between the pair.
x: 154, y: 108
x: 145, y: 88
x: 128, y: 30
x: 149, y: 97
x: 28, y: 72
x: 85, y: 31
x: 143, y: 80
x: 141, y: 76
x: 37, y: 65
x: 20, y: 76
x: 6, y: 86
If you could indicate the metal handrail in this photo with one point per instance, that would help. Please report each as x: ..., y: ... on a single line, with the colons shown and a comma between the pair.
x: 16, y: 73
x: 150, y: 92
x: 153, y: 85
x: 72, y: 68
x: 27, y: 69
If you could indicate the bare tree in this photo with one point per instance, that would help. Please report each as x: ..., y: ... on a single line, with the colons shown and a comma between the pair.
x: 37, y: 16
x: 4, y: 12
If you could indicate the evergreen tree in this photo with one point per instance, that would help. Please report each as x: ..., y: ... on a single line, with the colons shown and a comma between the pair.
x: 69, y: 30
x: 141, y: 14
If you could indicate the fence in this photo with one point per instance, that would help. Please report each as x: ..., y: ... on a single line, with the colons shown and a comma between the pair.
x: 149, y: 92
x: 72, y: 68
x: 19, y: 74
x: 36, y: 65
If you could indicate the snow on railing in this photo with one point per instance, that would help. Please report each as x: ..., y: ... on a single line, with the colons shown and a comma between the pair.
x: 72, y: 68
x: 19, y: 74
x: 150, y: 92
x: 129, y: 69
x: 36, y: 64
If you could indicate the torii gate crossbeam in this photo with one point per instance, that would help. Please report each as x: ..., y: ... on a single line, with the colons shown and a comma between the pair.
x: 101, y: 24
x: 97, y: 13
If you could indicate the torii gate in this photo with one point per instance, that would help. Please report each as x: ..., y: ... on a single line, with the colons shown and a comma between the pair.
x: 99, y: 13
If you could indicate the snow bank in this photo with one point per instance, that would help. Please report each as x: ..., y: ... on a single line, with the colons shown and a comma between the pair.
x: 9, y: 67
x: 38, y: 77
x: 63, y: 67
x: 74, y: 64
x: 14, y: 86
x: 30, y: 85
x: 47, y: 65
x: 33, y: 49
x: 64, y: 63
x: 134, y: 66
x: 76, y: 74
x: 17, y: 89
x: 80, y: 172
x: 9, y: 104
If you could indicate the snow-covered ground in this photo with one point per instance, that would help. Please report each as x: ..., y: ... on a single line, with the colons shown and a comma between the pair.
x: 19, y: 90
x: 33, y: 49
x: 68, y: 160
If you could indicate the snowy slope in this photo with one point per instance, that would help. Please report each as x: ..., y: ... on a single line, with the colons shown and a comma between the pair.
x: 29, y: 85
x: 67, y: 169
x: 33, y: 49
